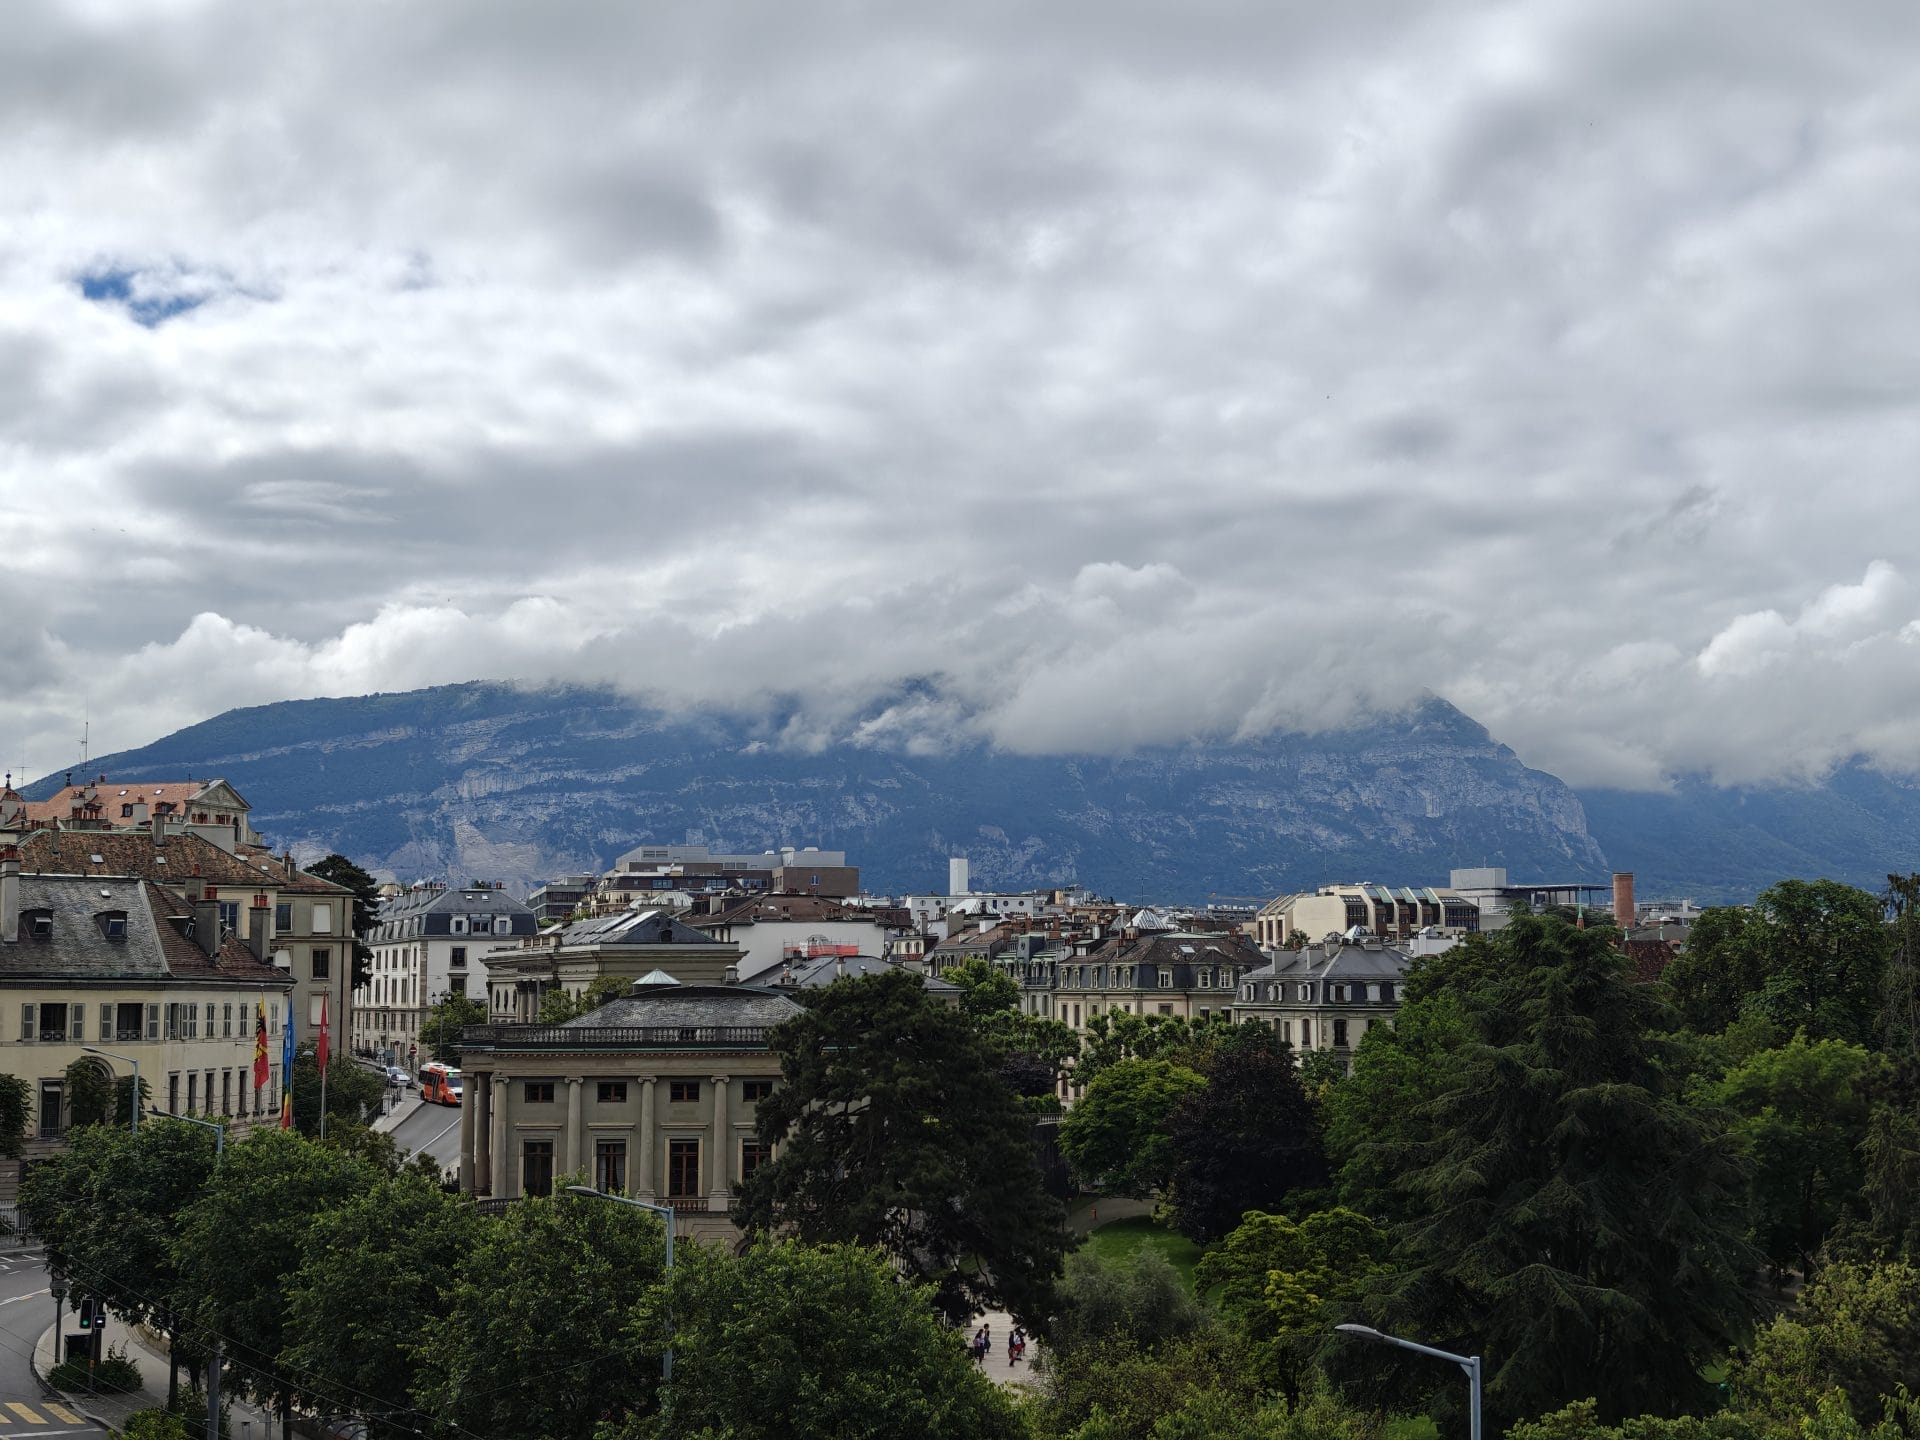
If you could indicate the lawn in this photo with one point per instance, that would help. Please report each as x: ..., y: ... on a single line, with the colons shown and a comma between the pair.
x: 1120, y: 1239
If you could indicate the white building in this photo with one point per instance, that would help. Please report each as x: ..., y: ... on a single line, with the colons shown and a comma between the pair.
x: 428, y: 944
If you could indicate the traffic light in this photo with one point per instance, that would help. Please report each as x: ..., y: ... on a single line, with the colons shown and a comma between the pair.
x: 89, y: 1313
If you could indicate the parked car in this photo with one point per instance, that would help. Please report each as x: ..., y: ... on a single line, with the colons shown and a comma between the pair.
x: 397, y: 1078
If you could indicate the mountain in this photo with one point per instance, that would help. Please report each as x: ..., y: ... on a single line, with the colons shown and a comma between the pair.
x: 493, y: 781
x: 1728, y: 843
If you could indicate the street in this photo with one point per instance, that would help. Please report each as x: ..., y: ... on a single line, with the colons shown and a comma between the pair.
x: 26, y: 1310
x: 430, y: 1129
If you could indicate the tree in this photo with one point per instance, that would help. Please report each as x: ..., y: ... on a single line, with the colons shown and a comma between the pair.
x: 557, y: 1006
x: 16, y: 1104
x: 376, y: 1278
x: 1245, y: 1140
x: 108, y: 1206
x: 366, y: 906
x: 1810, y: 955
x: 244, y: 1237
x: 1890, y: 1159
x: 1858, y: 1332
x: 1035, y: 1052
x: 985, y: 989
x: 353, y: 1091
x: 1572, y: 1219
x: 1115, y: 1136
x: 440, y: 1031
x: 1373, y: 1116
x: 894, y: 1131
x: 1899, y: 1019
x: 1803, y: 1111
x: 1123, y: 1035
x: 532, y: 1341
x: 89, y: 1092
x: 834, y: 1345
x: 1283, y: 1282
x: 1142, y: 1300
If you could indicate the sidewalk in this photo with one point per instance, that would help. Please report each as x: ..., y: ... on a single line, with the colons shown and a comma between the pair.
x: 403, y: 1107
x: 112, y: 1411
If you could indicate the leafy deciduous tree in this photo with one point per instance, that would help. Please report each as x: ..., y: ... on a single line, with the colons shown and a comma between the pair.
x: 352, y: 1090
x: 1115, y: 1136
x: 814, y: 1343
x: 1246, y: 1139
x: 440, y: 1031
x: 16, y: 1104
x: 532, y: 1343
x: 1141, y: 1300
x: 895, y: 1131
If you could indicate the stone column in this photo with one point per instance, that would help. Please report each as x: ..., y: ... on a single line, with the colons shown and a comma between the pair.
x: 469, y: 1103
x: 575, y: 1130
x: 644, y: 1183
x: 479, y: 1097
x: 502, y: 1167
x: 719, y: 1191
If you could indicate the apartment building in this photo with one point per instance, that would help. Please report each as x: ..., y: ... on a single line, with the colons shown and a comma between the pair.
x: 1391, y: 912
x: 429, y: 943
x: 1325, y: 997
x: 119, y: 965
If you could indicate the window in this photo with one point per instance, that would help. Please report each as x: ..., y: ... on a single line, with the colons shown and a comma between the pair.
x: 457, y: 984
x: 226, y: 1092
x: 128, y: 1021
x: 683, y: 1092
x: 1166, y: 978
x: 754, y: 1090
x: 226, y: 1021
x: 53, y: 1021
x: 173, y: 1093
x: 683, y: 1167
x: 77, y: 1021
x: 1306, y: 1034
x: 610, y: 1166
x: 230, y: 916
x: 457, y: 957
x: 193, y: 1091
x: 53, y: 1119
x: 458, y: 925
x: 612, y: 1092
x: 153, y: 1023
x: 323, y: 919
x: 40, y: 924
x: 1386, y: 992
x: 1166, y: 1009
x: 315, y: 1004
x: 753, y: 1154
x: 115, y: 925
x: 539, y: 1092
x: 1339, y: 1033
x: 536, y: 1166
x: 322, y: 963
x: 283, y: 917
x: 241, y: 1109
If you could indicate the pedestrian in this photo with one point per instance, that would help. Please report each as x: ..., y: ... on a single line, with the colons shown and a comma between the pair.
x: 1013, y: 1349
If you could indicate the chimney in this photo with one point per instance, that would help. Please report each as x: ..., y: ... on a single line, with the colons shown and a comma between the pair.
x: 206, y: 921
x: 1623, y: 914
x: 258, y: 924
x: 733, y: 975
x: 9, y: 894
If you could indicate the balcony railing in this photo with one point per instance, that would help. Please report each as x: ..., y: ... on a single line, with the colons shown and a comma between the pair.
x: 686, y: 1204
x: 614, y: 1037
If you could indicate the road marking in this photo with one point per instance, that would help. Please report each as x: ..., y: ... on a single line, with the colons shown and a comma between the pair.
x: 31, y: 1416
x: 30, y: 1295
x: 61, y: 1412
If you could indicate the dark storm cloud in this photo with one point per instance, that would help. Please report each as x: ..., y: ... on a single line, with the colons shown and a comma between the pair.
x: 1125, y: 371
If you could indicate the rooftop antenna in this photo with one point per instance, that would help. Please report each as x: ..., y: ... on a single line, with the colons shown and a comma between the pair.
x: 86, y: 729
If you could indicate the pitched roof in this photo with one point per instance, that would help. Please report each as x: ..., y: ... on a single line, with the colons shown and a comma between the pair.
x: 170, y: 860
x: 757, y: 908
x: 78, y: 946
x: 691, y: 1005
x: 111, y: 796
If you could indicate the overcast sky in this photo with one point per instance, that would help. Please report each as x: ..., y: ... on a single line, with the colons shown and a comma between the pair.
x: 1126, y: 371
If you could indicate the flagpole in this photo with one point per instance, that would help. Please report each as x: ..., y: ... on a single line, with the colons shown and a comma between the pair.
x: 323, y: 1102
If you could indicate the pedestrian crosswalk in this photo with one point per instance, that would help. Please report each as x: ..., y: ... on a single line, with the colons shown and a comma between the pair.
x: 21, y: 1417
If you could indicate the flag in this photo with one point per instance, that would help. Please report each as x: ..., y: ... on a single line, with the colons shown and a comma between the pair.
x: 286, y: 1070
x: 321, y: 1048
x: 259, y: 1048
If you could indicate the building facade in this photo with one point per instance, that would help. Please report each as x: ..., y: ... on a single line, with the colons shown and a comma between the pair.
x: 652, y: 1095
x: 1325, y: 997
x: 625, y: 946
x: 429, y: 943
x: 1391, y: 912
x: 119, y: 965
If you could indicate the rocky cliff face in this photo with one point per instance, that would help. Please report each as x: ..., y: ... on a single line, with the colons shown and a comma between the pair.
x: 487, y: 780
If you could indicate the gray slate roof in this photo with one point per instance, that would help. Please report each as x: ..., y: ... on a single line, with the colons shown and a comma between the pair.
x: 1341, y: 962
x: 634, y: 927
x: 78, y: 947
x: 691, y: 1005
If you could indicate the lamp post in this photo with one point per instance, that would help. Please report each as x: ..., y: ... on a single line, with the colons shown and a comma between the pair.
x: 666, y: 1214
x: 1468, y: 1363
x: 214, y: 1361
x: 124, y: 1060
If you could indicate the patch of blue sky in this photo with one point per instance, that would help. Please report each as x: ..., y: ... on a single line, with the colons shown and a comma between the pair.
x: 147, y: 301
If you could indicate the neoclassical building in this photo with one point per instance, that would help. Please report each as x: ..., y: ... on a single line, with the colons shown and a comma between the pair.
x: 652, y: 1095
x: 1325, y: 997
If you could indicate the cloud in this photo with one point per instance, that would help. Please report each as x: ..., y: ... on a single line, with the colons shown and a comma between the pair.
x: 1068, y: 378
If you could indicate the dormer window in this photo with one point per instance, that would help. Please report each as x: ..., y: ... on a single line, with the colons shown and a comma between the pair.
x: 39, y: 924
x: 113, y: 924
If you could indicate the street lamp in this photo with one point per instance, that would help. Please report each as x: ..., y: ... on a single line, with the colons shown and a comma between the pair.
x: 214, y: 1363
x: 1468, y: 1363
x: 666, y: 1214
x: 124, y: 1060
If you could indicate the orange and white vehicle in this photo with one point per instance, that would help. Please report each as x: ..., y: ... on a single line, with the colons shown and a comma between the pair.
x: 440, y: 1084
